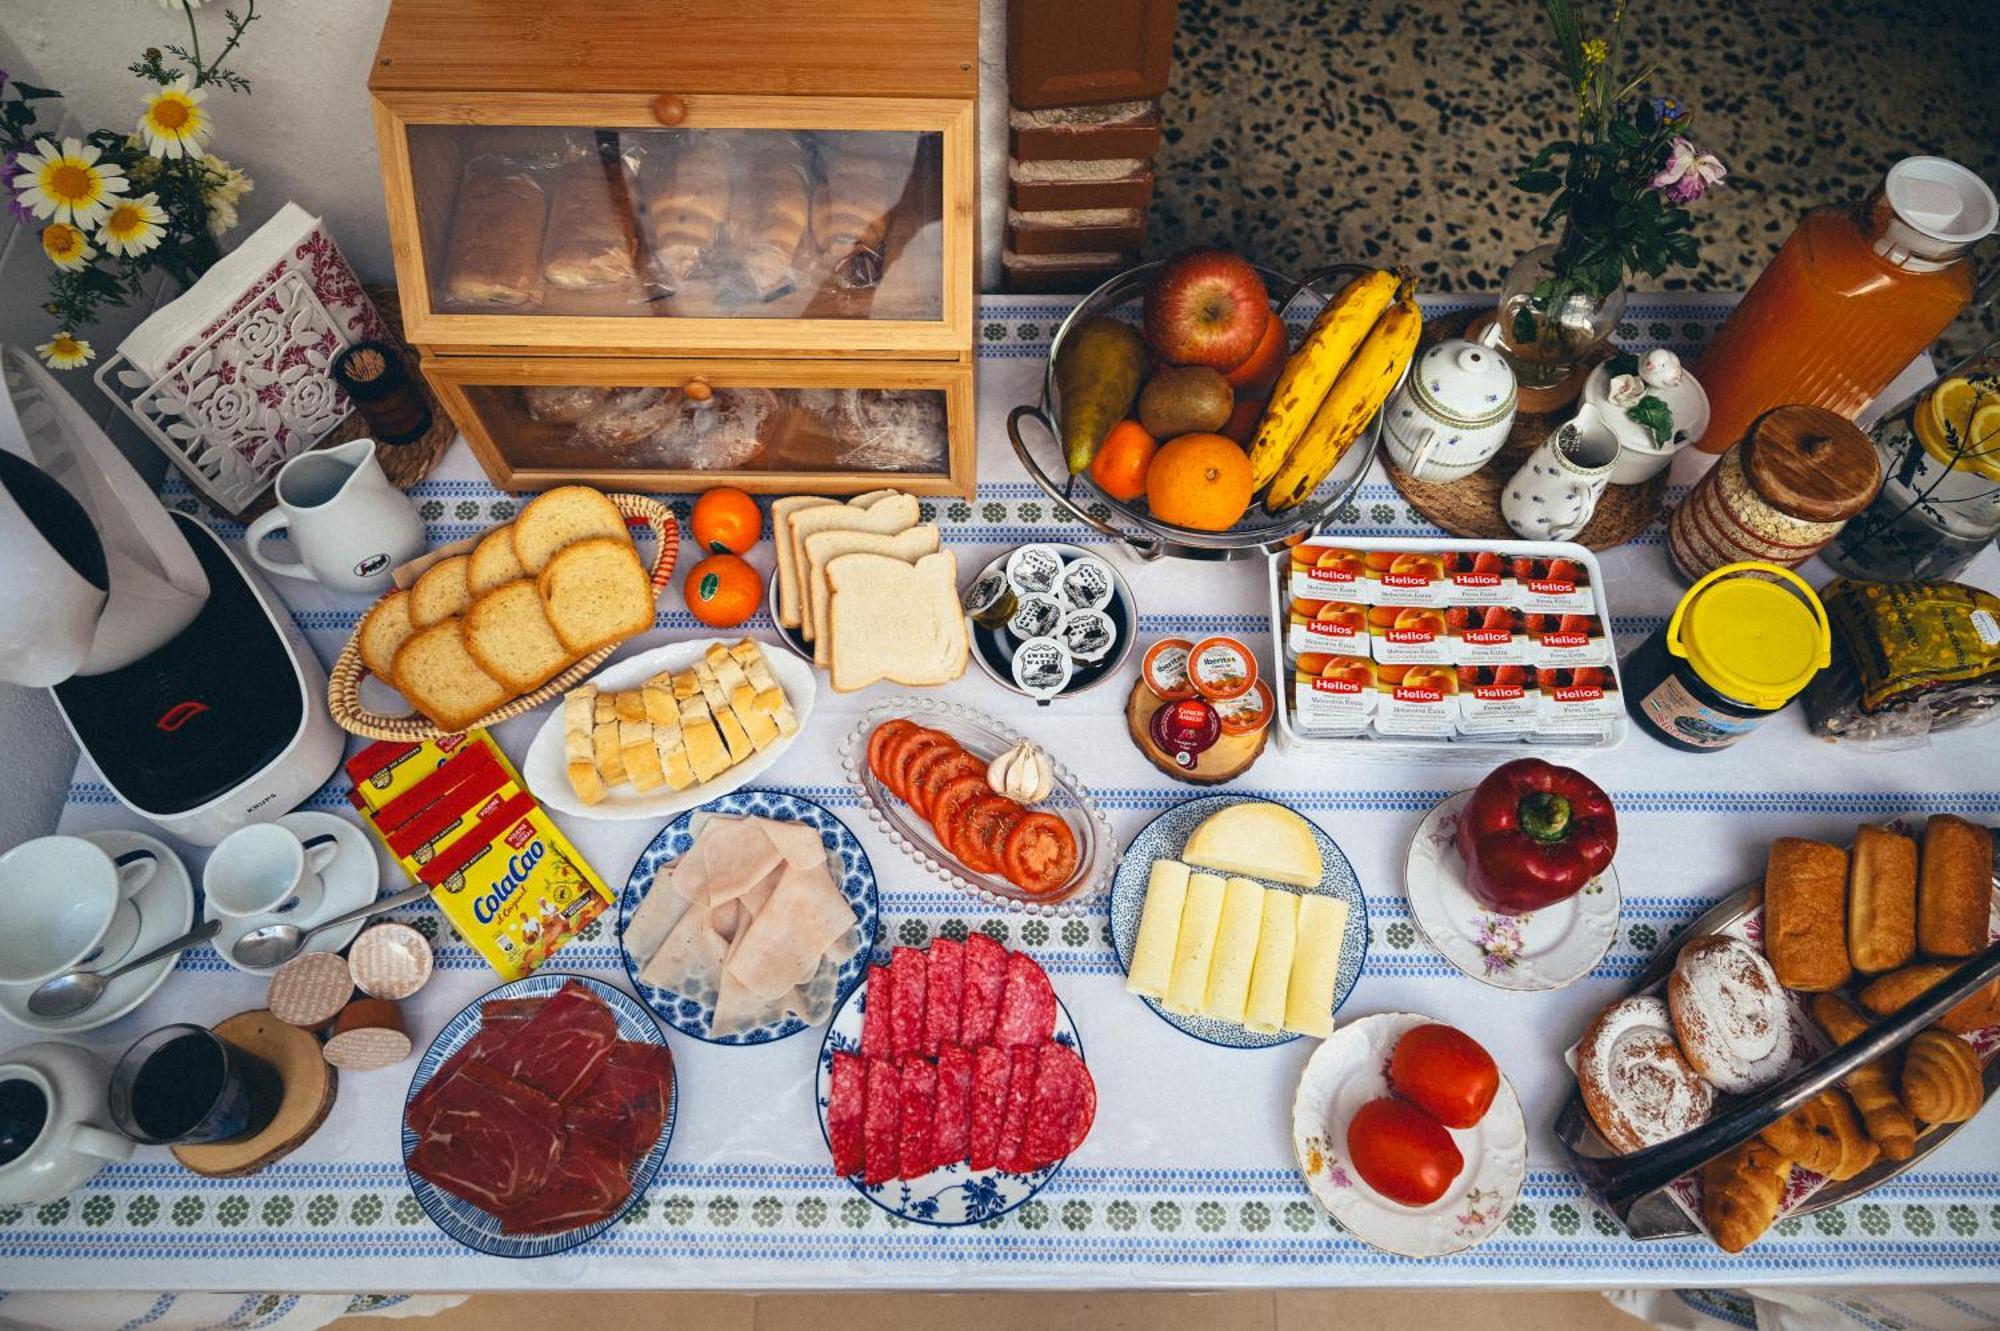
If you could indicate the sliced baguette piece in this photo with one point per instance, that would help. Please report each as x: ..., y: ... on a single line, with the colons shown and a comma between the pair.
x: 441, y: 679
x: 673, y: 755
x: 629, y: 705
x: 597, y: 593
x: 823, y: 547
x: 493, y: 562
x: 607, y: 752
x: 770, y: 694
x: 895, y: 621
x: 642, y: 759
x: 661, y: 709
x: 579, y: 706
x: 509, y: 635
x: 711, y: 687
x: 605, y: 708
x: 557, y: 519
x: 884, y: 517
x: 706, y: 752
x: 734, y: 736
x: 383, y: 630
x: 788, y: 568
x: 440, y: 592
x: 685, y: 685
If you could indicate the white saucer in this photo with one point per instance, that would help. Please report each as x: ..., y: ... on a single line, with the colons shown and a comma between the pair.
x: 1347, y: 1071
x: 1544, y: 949
x: 166, y: 910
x: 352, y: 879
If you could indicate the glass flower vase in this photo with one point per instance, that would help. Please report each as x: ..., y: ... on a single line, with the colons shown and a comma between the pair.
x: 1549, y: 325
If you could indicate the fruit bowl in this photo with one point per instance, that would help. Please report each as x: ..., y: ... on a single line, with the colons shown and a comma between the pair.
x: 1257, y: 531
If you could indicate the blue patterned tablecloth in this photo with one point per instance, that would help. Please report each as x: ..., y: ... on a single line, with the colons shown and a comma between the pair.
x: 1187, y: 1178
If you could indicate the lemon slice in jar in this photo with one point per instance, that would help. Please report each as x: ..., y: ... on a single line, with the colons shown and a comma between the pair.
x: 1959, y: 425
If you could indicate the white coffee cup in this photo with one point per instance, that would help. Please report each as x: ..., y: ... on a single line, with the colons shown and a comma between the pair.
x: 69, y: 907
x: 263, y: 869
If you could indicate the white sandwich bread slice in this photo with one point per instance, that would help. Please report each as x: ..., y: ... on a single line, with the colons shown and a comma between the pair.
x: 822, y: 548
x: 788, y: 568
x: 886, y: 517
x: 895, y: 621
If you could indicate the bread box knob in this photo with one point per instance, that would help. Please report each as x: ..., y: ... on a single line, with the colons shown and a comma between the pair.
x: 670, y: 108
x: 697, y: 390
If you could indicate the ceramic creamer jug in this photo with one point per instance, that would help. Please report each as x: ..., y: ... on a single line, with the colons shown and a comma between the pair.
x: 1554, y: 493
x: 351, y: 526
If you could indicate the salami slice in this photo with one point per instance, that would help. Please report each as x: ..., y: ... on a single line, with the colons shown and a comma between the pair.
x: 1065, y: 1103
x: 951, y: 1128
x: 1027, y: 1004
x: 906, y: 1002
x: 846, y: 1113
x: 985, y: 978
x: 880, y: 998
x: 881, y: 1119
x: 991, y: 1066
x: 944, y: 981
x: 1020, y: 1097
x: 920, y: 1083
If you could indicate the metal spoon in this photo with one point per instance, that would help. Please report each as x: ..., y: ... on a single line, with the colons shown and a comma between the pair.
x: 67, y: 994
x: 276, y: 944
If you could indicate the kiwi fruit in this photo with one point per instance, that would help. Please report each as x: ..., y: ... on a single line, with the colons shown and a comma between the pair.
x: 1184, y: 399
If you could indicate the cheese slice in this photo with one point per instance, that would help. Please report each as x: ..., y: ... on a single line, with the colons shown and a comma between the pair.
x: 1271, y: 975
x: 1194, y: 949
x: 1322, y: 936
x: 1235, y: 949
x: 1159, y: 926
x: 1257, y: 840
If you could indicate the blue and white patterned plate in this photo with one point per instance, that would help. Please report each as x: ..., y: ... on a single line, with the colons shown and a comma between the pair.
x: 1163, y: 839
x: 480, y: 1230
x: 691, y: 1015
x: 951, y: 1195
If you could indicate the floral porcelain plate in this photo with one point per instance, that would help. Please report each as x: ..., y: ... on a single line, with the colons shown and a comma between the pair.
x: 951, y: 1194
x: 1350, y: 1068
x: 1544, y: 949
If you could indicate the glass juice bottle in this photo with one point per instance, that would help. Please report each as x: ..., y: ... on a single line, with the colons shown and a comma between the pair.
x: 1853, y: 297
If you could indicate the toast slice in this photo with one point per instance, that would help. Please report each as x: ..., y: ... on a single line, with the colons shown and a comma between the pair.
x: 885, y: 517
x: 579, y: 706
x: 597, y: 593
x: 824, y: 547
x: 788, y: 568
x: 442, y: 680
x: 441, y: 592
x: 557, y: 519
x: 895, y: 621
x: 493, y: 562
x: 509, y: 635
x: 383, y: 630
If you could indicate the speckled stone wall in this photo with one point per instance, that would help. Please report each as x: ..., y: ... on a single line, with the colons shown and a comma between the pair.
x: 1304, y: 131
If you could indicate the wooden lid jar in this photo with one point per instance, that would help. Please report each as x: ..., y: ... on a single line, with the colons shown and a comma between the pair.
x: 1779, y: 496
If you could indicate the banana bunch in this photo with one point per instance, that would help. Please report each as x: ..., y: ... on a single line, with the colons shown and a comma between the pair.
x: 1332, y: 386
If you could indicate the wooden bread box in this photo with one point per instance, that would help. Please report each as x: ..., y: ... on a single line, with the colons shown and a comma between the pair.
x: 664, y: 247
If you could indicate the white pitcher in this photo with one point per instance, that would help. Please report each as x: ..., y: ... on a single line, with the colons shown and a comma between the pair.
x: 1554, y: 493
x: 57, y: 1125
x: 350, y: 524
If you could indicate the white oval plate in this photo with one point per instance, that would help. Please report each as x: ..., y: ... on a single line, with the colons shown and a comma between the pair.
x: 1543, y: 949
x: 1349, y: 1069
x: 546, y: 771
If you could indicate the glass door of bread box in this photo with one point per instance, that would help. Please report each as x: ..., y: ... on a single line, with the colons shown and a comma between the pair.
x: 752, y: 226
x: 771, y: 427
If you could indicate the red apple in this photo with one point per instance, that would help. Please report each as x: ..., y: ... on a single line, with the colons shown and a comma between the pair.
x: 1255, y: 376
x: 1206, y: 307
x: 1243, y: 418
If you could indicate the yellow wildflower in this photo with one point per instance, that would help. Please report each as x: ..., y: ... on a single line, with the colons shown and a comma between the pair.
x: 66, y: 246
x: 65, y: 351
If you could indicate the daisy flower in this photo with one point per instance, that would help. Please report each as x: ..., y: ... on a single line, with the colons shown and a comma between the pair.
x: 133, y: 226
x: 69, y: 183
x: 65, y: 351
x: 66, y: 246
x: 227, y: 186
x: 173, y: 123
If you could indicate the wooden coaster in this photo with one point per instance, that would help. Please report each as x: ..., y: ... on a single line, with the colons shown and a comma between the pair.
x: 309, y: 1090
x: 1229, y: 757
x: 1470, y: 505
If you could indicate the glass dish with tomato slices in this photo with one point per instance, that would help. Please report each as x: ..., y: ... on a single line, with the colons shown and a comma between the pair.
x: 921, y: 765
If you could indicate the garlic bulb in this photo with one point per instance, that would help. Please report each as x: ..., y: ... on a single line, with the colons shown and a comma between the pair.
x: 1022, y: 773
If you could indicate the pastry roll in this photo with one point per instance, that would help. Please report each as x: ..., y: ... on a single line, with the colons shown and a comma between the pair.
x: 768, y: 215
x: 494, y: 252
x: 851, y: 210
x: 1955, y: 890
x: 591, y: 242
x: 686, y: 188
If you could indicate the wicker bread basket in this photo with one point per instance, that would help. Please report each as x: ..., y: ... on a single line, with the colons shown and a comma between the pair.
x: 343, y: 685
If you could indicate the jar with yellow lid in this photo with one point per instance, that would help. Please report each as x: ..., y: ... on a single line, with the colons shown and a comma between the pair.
x: 1743, y: 642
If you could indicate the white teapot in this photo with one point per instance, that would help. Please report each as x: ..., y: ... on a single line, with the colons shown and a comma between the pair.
x: 1452, y: 413
x: 1642, y: 400
x: 54, y: 1122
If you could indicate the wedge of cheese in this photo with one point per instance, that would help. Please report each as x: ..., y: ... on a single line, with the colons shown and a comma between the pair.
x: 1271, y: 975
x: 1159, y: 928
x: 1194, y: 950
x: 1322, y: 935
x: 1257, y: 840
x: 1235, y: 949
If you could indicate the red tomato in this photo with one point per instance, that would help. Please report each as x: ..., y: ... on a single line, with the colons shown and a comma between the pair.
x: 1444, y: 1072
x: 982, y: 834
x: 1402, y: 1152
x: 879, y: 742
x: 905, y: 749
x: 953, y: 799
x: 1040, y: 854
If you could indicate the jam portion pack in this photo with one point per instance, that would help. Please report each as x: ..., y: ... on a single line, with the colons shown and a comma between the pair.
x: 1440, y: 640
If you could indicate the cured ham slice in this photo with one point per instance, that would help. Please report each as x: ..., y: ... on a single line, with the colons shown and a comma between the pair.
x: 560, y: 1049
x: 627, y: 1104
x: 489, y: 1139
x: 495, y: 1029
x: 588, y: 1184
x: 788, y: 939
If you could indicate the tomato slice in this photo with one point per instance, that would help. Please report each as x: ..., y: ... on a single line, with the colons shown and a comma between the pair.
x: 928, y: 784
x: 879, y: 742
x: 954, y: 797
x: 907, y: 749
x: 1040, y: 854
x: 983, y: 833
x: 920, y: 780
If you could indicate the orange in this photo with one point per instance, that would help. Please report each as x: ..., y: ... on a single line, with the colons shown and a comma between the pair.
x: 1120, y: 465
x: 1200, y: 481
x: 726, y: 521
x: 723, y: 590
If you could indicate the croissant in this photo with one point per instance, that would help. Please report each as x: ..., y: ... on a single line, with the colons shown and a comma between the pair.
x: 769, y: 218
x: 1741, y: 1193
x: 1825, y: 1136
x: 1871, y: 1085
x: 1941, y: 1079
x: 687, y: 198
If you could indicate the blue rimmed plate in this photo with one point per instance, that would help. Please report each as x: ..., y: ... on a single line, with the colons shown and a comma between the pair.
x: 480, y: 1230
x: 950, y: 1195
x: 691, y: 1014
x: 1163, y: 839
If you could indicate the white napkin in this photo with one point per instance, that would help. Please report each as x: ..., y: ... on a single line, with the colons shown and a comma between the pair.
x: 164, y: 336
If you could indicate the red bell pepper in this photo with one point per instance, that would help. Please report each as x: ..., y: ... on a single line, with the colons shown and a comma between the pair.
x: 1533, y: 834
